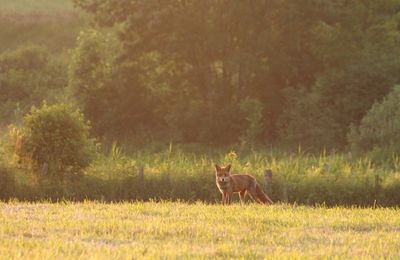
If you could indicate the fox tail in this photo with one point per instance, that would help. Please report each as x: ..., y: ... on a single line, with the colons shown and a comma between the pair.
x: 262, y: 196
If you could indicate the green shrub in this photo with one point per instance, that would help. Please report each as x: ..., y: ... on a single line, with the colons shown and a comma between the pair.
x: 55, y: 139
x: 378, y: 132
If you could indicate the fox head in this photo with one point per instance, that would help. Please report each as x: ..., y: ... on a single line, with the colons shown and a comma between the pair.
x: 222, y: 173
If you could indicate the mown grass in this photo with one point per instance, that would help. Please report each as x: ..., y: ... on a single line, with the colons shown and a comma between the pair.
x: 179, y: 230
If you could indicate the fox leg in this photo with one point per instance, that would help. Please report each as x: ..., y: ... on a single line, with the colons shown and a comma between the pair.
x: 262, y: 196
x: 225, y: 198
x: 229, y: 196
x: 242, y: 196
x: 253, y: 195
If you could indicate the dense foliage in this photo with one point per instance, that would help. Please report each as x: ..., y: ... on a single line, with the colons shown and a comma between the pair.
x: 315, y: 67
x: 282, y: 73
x: 56, y: 140
x: 378, y: 131
x: 29, y: 75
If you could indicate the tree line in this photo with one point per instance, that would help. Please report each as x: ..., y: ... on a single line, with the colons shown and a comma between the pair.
x: 276, y: 72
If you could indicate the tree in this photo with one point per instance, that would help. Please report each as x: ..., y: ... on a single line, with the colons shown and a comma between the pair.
x: 361, y: 59
x: 29, y: 75
x: 225, y: 51
x: 90, y: 70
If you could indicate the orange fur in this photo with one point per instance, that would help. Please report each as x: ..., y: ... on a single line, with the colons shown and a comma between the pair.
x: 243, y: 184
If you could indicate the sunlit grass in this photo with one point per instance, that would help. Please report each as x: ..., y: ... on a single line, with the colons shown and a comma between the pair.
x: 154, y: 230
x: 174, y: 173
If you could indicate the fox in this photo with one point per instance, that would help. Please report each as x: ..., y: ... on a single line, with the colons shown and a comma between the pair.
x: 241, y: 183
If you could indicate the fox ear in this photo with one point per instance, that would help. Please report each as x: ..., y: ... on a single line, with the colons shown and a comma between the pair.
x: 217, y: 167
x: 228, y: 167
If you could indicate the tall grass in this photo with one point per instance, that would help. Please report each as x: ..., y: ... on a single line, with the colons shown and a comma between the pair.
x: 173, y: 173
x: 177, y: 173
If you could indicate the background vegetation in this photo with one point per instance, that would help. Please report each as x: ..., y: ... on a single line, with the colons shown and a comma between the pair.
x: 305, y: 88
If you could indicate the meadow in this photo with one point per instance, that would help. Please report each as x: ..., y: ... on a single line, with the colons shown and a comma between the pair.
x: 148, y: 188
x: 181, y: 230
x: 54, y: 24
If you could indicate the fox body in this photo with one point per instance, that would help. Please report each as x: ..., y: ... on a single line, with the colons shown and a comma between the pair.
x: 243, y: 184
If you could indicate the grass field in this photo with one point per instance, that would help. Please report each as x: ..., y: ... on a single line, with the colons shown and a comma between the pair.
x: 54, y: 24
x: 179, y: 230
x: 36, y: 5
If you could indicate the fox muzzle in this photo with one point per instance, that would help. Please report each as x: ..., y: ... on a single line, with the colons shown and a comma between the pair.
x: 223, y: 179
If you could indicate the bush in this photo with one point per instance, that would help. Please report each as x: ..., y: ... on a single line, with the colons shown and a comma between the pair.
x: 55, y: 140
x: 378, y: 130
